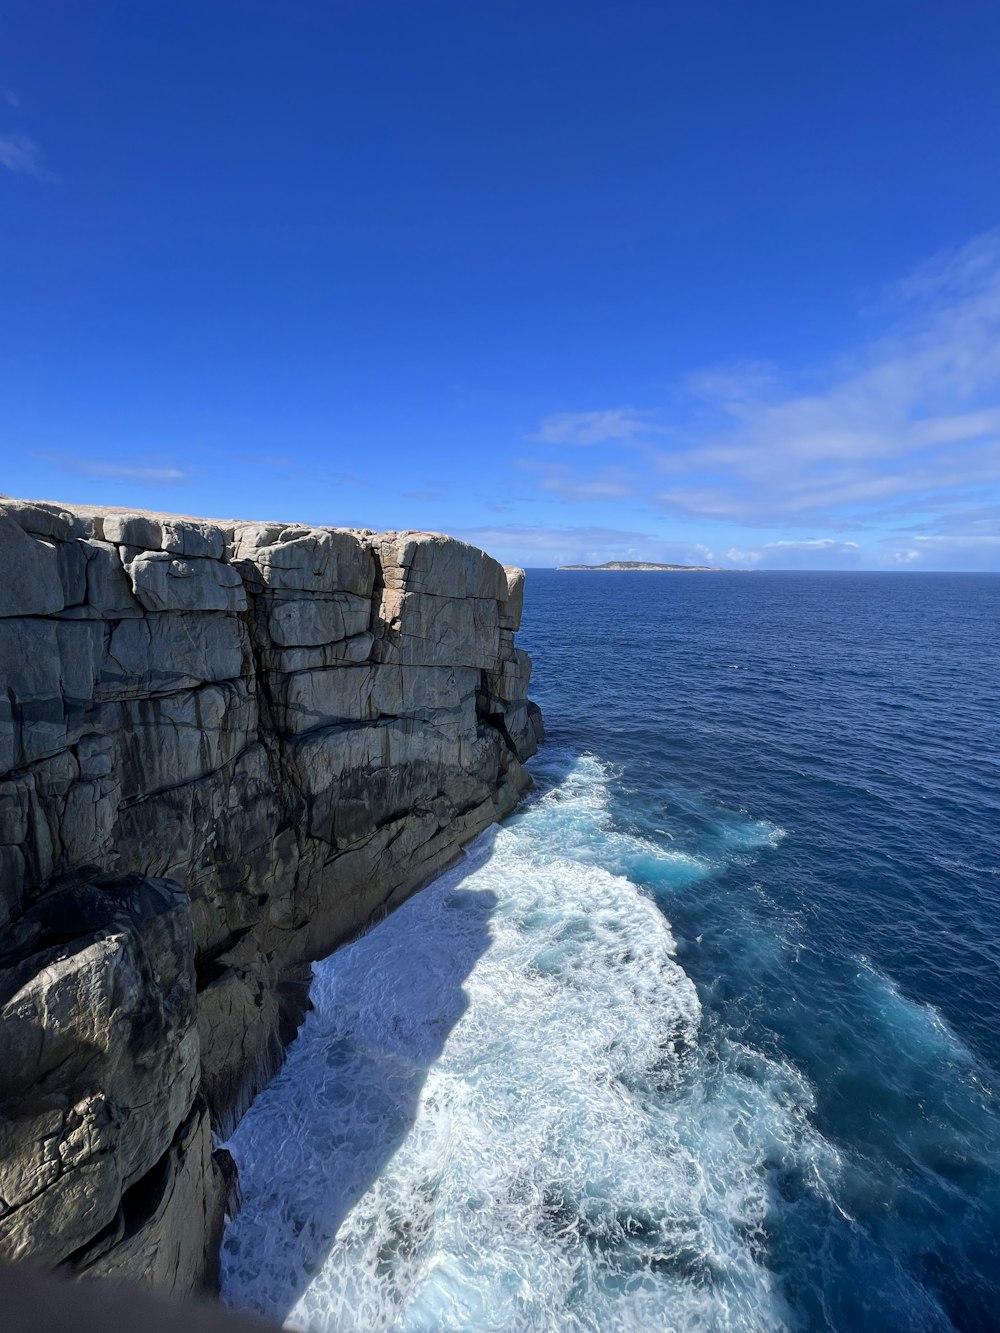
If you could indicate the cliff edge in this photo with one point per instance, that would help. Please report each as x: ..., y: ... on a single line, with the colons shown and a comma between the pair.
x: 225, y: 748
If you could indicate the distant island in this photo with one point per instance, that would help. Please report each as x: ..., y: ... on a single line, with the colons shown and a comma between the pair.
x: 646, y: 564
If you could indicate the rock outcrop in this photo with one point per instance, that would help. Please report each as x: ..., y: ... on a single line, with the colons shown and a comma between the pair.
x: 225, y: 748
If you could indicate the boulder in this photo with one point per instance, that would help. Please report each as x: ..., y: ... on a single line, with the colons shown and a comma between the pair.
x: 99, y: 1054
x: 164, y: 582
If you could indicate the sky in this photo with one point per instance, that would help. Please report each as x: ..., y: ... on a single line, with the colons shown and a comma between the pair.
x: 698, y: 281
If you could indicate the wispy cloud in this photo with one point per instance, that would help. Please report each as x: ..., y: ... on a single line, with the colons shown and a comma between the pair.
x: 98, y: 467
x: 281, y: 462
x: 962, y: 550
x: 908, y: 426
x: 917, y: 412
x: 11, y: 98
x: 537, y: 544
x: 620, y: 424
x: 20, y: 153
x: 816, y: 553
x: 732, y: 385
x: 953, y: 539
x: 611, y: 484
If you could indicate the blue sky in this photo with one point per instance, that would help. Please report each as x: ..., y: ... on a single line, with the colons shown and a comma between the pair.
x: 707, y: 281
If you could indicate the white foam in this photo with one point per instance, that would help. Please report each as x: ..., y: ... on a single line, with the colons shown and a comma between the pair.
x: 498, y: 1117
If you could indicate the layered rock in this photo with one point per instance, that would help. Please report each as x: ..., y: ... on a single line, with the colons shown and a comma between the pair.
x: 224, y: 749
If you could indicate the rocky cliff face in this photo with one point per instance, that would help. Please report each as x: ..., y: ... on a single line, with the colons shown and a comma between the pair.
x: 224, y: 749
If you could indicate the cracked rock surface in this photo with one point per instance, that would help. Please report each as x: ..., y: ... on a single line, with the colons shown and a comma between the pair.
x: 225, y: 748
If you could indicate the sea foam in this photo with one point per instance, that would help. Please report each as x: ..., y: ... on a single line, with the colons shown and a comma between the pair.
x: 503, y: 1113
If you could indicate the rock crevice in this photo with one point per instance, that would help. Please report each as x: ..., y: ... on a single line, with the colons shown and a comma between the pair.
x: 225, y: 748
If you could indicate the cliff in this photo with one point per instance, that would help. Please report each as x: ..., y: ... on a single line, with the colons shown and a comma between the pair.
x: 224, y: 749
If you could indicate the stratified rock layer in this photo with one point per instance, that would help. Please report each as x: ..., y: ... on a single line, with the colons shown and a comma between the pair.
x: 224, y: 749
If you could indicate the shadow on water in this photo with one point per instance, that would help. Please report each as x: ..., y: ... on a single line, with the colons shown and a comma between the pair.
x: 322, y: 1133
x: 320, y: 1136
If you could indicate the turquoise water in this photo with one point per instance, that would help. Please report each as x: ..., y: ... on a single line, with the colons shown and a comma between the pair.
x: 707, y: 1036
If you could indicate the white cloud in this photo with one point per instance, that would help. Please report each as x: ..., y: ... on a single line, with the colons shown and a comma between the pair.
x: 817, y: 544
x: 949, y: 551
x: 20, y: 153
x: 536, y: 544
x: 621, y: 424
x: 909, y: 424
x: 11, y: 98
x: 960, y: 539
x: 917, y: 411
x: 816, y: 553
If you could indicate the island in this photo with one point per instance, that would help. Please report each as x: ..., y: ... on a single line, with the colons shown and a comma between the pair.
x: 630, y: 565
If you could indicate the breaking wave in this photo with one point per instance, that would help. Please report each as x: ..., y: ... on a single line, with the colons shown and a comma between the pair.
x: 508, y: 1111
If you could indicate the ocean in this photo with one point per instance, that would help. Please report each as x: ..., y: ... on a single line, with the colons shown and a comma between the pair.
x: 707, y: 1036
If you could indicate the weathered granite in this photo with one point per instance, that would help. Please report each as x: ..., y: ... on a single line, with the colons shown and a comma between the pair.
x: 224, y: 749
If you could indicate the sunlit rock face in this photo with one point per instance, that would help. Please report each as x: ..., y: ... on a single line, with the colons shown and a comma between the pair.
x: 224, y: 749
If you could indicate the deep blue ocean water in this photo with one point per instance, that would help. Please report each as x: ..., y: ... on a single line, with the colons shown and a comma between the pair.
x: 708, y: 1035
